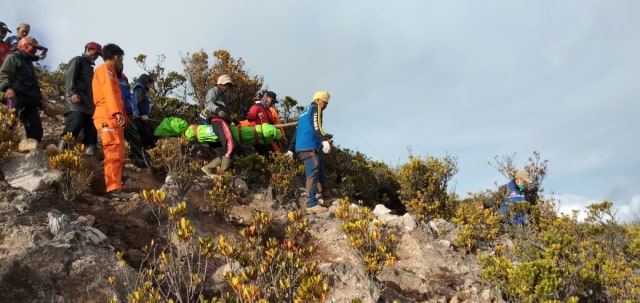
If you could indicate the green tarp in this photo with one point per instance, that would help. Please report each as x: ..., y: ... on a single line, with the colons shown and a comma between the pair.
x: 246, y: 135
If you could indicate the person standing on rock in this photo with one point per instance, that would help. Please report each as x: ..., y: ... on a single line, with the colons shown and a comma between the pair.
x: 19, y: 83
x: 79, y: 98
x: 141, y: 105
x: 310, y: 140
x: 110, y: 117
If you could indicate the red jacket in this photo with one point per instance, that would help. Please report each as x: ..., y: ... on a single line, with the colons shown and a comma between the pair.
x: 254, y: 114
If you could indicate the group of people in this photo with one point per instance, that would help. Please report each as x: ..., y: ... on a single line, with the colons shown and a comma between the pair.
x: 99, y: 102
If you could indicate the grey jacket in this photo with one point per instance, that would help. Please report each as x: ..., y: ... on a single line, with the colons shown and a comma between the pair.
x: 78, y: 81
x: 216, y: 104
x: 17, y: 72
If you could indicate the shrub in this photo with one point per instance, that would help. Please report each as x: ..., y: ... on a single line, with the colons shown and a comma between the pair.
x: 174, y: 156
x: 354, y: 175
x: 267, y: 270
x: 175, y: 271
x: 283, y: 173
x: 423, y: 187
x: 368, y: 240
x: 8, y: 134
x: 76, y: 176
x: 479, y: 226
x: 222, y: 194
x: 568, y: 261
x: 253, y: 168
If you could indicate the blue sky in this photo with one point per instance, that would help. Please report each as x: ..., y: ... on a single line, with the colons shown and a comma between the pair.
x: 469, y: 79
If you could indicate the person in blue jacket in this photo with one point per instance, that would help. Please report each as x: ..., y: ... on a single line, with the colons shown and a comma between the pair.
x: 310, y: 140
x: 515, y: 192
x: 142, y: 110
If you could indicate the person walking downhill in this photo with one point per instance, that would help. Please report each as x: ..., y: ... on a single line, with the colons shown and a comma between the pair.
x: 79, y: 98
x: 110, y: 117
x: 19, y: 83
x: 217, y: 111
x: 310, y: 140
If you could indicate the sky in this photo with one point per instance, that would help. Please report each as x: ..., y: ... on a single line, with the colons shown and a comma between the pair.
x: 468, y: 79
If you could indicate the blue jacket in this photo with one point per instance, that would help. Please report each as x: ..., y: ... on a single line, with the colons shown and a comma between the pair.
x: 514, y: 194
x: 126, y: 94
x: 140, y: 104
x: 309, y: 134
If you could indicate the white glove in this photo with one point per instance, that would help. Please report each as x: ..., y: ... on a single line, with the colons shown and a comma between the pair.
x: 326, y: 147
x: 289, y: 154
x: 144, y: 117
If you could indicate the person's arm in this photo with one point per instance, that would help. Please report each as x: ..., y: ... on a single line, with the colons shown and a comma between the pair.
x: 253, y: 116
x: 7, y: 73
x: 316, y: 116
x: 210, y: 104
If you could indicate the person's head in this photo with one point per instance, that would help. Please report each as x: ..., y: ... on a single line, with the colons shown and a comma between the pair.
x: 224, y: 83
x: 271, y: 98
x: 521, y: 179
x: 29, y: 45
x: 322, y: 99
x: 113, y: 55
x: 146, y: 80
x: 23, y: 30
x: 4, y: 29
x: 92, y: 50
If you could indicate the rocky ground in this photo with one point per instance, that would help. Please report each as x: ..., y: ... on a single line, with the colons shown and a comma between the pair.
x: 57, y: 251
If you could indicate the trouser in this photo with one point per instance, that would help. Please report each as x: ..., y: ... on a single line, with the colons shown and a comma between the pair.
x: 146, y: 134
x: 112, y: 137
x: 314, y: 173
x: 30, y: 118
x: 132, y: 135
x: 77, y: 121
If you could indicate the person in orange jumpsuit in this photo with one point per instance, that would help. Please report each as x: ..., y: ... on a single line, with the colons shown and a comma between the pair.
x: 109, y: 117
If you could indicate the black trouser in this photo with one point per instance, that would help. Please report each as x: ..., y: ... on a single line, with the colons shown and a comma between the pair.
x: 146, y: 133
x: 77, y: 121
x: 30, y: 118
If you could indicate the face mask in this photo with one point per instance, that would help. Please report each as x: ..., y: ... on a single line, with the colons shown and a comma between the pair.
x: 522, y: 186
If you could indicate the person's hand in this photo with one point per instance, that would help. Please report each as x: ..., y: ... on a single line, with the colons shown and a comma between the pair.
x: 10, y: 94
x: 119, y: 119
x: 260, y: 116
x: 326, y: 147
x: 144, y: 117
x: 289, y: 154
x: 75, y: 98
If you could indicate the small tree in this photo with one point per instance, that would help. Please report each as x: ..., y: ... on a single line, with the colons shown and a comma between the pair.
x: 201, y: 77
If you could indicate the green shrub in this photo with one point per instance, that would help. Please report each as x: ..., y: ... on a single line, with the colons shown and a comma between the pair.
x: 368, y: 239
x: 284, y: 171
x: 174, y: 156
x: 76, y: 176
x: 423, y: 187
x: 9, y: 137
x: 479, y: 226
x: 253, y: 168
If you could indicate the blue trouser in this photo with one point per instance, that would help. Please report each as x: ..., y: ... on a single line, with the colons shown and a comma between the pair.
x: 314, y: 172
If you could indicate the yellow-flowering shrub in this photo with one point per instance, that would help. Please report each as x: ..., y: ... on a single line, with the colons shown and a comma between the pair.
x: 76, y: 176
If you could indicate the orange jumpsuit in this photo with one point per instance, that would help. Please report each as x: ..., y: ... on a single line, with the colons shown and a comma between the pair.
x: 108, y: 100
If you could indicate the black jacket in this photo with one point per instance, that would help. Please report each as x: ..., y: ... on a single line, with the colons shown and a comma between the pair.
x: 78, y: 81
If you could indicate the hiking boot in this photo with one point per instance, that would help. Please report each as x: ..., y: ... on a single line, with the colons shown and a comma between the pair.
x: 316, y: 209
x: 117, y: 195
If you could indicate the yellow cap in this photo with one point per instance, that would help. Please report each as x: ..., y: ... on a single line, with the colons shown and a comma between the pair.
x: 324, y: 96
